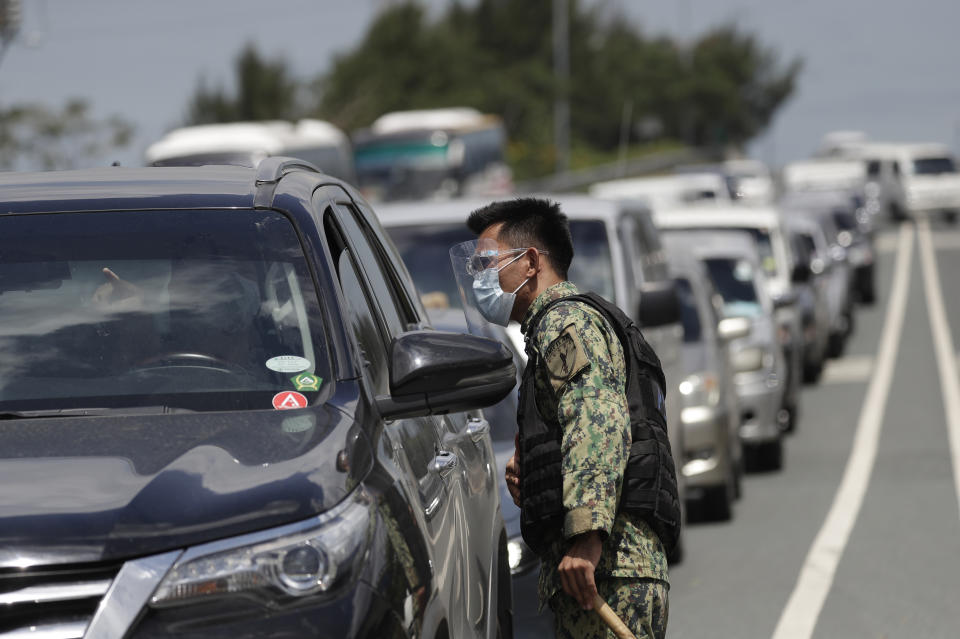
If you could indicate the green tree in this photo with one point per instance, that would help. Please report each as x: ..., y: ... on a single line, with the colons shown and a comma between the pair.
x: 36, y: 137
x: 497, y: 56
x: 736, y: 85
x: 265, y: 90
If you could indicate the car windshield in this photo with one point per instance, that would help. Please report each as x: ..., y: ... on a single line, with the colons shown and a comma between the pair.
x: 425, y: 251
x: 764, y: 245
x: 934, y: 166
x: 202, y: 310
x: 734, y: 280
x: 688, y: 311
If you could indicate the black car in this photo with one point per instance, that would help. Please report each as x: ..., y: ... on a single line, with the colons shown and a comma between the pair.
x: 223, y: 414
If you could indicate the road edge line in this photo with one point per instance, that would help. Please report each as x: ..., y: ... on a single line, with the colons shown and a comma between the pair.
x: 800, y: 615
x: 943, y: 343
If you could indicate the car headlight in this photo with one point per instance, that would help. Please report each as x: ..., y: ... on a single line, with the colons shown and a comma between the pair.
x: 278, y: 566
x: 520, y: 556
x: 752, y: 359
x: 700, y: 389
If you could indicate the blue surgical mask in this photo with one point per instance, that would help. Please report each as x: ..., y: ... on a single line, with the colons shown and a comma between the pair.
x: 493, y: 302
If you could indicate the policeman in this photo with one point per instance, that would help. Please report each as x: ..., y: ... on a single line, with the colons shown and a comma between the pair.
x: 573, y: 398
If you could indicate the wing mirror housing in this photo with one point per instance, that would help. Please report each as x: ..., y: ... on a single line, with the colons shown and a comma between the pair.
x: 731, y: 328
x: 801, y: 273
x: 434, y: 372
x: 785, y: 300
x: 659, y: 304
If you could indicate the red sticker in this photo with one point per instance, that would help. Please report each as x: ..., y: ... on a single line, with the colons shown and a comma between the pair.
x: 289, y: 399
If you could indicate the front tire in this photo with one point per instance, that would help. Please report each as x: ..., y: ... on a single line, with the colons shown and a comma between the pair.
x: 718, y: 503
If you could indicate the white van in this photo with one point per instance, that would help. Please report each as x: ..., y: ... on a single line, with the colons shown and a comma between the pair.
x: 248, y: 143
x: 667, y: 190
x: 617, y: 254
x: 824, y: 175
x: 909, y: 179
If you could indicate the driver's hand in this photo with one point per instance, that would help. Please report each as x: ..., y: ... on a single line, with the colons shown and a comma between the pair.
x: 117, y: 294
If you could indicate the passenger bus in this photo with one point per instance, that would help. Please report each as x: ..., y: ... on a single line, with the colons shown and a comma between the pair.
x: 432, y: 154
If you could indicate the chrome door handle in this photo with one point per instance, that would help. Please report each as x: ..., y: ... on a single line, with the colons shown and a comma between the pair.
x: 477, y: 428
x: 443, y: 463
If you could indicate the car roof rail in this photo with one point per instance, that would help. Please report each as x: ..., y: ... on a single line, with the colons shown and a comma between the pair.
x: 271, y: 169
x: 269, y: 173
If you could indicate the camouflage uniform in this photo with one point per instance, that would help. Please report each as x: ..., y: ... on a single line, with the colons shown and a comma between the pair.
x: 581, y: 381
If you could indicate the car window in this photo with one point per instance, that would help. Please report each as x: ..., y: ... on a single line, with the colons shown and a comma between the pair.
x: 363, y: 323
x: 386, y: 293
x: 764, y: 244
x: 426, y: 252
x: 934, y: 166
x: 734, y: 280
x: 206, y: 310
x: 592, y: 266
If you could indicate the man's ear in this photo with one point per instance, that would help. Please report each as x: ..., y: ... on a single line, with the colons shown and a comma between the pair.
x: 534, y: 262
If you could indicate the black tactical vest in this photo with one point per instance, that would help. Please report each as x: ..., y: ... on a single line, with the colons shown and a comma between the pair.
x: 650, y: 479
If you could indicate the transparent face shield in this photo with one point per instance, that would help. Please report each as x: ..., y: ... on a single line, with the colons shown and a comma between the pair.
x: 476, y: 268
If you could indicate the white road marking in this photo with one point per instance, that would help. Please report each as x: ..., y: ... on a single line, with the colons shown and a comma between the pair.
x: 943, y: 346
x: 848, y: 370
x: 799, y: 617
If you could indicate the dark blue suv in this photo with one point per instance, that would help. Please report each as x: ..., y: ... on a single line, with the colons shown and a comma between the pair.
x: 223, y: 414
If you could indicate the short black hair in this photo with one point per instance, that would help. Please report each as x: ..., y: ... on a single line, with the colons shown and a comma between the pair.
x: 529, y: 221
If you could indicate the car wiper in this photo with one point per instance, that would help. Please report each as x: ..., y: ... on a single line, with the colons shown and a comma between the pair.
x: 91, y: 412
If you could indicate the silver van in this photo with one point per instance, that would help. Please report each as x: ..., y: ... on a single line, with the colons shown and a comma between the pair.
x: 713, y: 456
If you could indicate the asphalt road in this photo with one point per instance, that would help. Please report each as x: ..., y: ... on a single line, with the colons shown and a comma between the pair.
x: 859, y: 534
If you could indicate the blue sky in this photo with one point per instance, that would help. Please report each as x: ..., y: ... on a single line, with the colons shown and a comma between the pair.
x: 887, y: 68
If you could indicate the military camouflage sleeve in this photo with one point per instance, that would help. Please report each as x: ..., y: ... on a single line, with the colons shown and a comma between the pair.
x: 584, y: 365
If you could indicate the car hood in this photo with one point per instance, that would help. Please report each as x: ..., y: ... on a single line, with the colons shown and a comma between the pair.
x: 110, y: 488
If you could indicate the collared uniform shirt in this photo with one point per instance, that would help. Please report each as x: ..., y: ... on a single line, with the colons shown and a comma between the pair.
x: 591, y: 407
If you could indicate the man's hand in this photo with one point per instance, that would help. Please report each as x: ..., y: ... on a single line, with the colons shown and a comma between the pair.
x: 512, y: 474
x: 117, y: 294
x: 577, y: 568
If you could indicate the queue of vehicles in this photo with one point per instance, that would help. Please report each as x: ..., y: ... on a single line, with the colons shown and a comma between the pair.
x: 333, y: 459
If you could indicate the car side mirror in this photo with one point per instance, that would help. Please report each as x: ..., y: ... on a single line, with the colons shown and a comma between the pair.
x: 433, y: 372
x: 801, y: 274
x: 731, y: 328
x: 785, y: 300
x: 659, y: 304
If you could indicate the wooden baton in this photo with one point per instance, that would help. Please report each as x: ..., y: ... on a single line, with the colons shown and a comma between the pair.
x: 611, y: 619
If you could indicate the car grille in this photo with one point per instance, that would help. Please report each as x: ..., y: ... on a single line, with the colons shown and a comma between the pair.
x: 52, y: 603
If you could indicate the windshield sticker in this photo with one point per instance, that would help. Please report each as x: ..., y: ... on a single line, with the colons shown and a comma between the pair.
x: 288, y: 364
x: 288, y: 400
x: 306, y: 381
